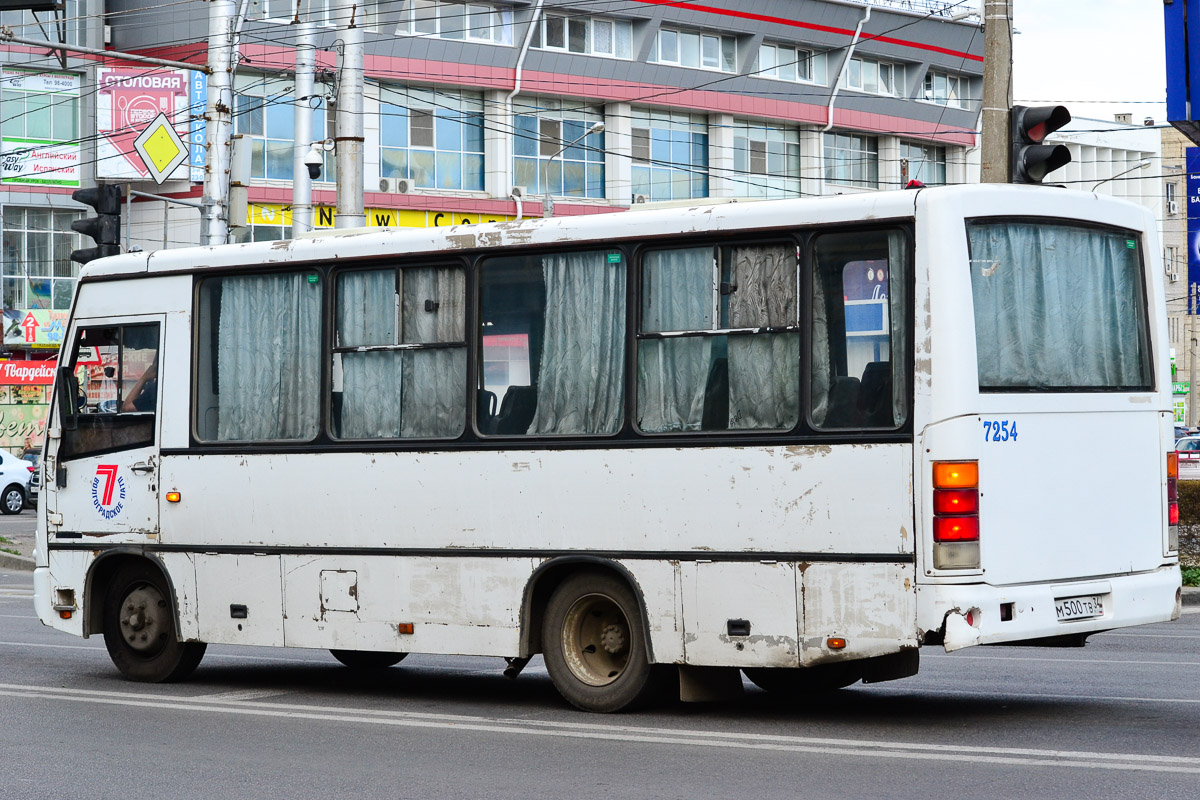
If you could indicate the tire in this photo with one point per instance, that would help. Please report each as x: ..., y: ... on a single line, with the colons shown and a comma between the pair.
x: 140, y: 631
x: 802, y: 683
x: 594, y: 644
x: 13, y: 500
x: 368, y: 659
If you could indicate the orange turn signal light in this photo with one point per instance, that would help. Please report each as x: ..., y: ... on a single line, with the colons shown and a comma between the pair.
x: 835, y: 643
x: 173, y: 497
x: 405, y: 627
x: 955, y: 474
x: 65, y: 614
x: 1172, y: 465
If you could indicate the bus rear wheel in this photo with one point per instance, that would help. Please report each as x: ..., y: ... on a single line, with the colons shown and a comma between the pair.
x: 139, y: 628
x: 804, y: 682
x: 594, y: 644
x: 368, y: 659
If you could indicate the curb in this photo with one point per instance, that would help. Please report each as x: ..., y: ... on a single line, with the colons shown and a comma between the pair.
x: 1191, y: 595
x: 9, y: 561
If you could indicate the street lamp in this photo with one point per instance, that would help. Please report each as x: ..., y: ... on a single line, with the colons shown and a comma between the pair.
x: 1141, y: 165
x: 547, y: 200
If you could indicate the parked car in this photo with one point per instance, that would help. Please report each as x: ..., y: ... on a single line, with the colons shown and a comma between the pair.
x: 15, y: 473
x: 35, y: 480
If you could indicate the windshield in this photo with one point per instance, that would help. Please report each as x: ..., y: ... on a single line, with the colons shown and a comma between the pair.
x: 1058, y: 307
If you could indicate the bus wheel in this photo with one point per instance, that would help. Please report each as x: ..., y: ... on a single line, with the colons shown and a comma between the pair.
x: 13, y: 500
x: 139, y: 628
x: 594, y: 644
x: 368, y: 659
x: 797, y: 684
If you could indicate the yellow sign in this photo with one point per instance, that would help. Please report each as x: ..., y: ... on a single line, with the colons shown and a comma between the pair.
x: 161, y: 148
x: 324, y: 216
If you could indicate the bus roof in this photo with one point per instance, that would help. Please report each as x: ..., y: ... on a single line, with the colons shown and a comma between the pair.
x: 371, y: 242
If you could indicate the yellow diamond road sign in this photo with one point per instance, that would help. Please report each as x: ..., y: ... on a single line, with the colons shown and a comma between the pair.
x: 161, y: 148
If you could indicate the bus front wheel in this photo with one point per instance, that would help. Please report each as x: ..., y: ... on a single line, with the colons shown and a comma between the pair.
x: 594, y: 644
x: 368, y: 659
x: 139, y: 628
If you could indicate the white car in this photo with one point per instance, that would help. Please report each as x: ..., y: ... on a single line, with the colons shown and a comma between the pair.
x: 15, y: 473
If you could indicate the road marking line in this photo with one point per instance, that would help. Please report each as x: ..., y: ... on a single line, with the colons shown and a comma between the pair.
x: 1076, y: 661
x: 1024, y: 757
x: 240, y: 694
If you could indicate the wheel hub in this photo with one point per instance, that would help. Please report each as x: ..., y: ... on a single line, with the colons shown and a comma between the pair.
x: 142, y: 615
x: 596, y: 640
x: 613, y: 639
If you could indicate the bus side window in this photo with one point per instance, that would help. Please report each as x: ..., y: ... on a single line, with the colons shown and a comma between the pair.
x: 859, y: 348
x: 553, y: 344
x: 115, y: 387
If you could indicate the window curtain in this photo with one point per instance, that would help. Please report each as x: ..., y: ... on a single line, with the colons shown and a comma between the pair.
x: 764, y: 369
x: 672, y: 373
x: 402, y: 393
x: 581, y: 377
x: 268, y: 351
x: 822, y: 376
x: 434, y: 388
x: 1057, y: 306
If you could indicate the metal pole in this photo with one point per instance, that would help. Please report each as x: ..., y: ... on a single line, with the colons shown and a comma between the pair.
x: 128, y: 214
x: 7, y: 37
x: 1193, y: 376
x: 349, y: 116
x: 995, y: 148
x: 218, y: 117
x: 306, y: 62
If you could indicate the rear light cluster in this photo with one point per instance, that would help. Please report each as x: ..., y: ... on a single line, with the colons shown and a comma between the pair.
x: 956, y: 514
x: 1173, y: 501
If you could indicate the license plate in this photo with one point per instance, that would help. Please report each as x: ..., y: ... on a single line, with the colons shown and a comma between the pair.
x: 1072, y: 608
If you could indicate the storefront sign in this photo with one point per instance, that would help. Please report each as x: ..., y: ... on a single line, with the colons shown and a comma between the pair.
x: 128, y: 99
x: 1193, y: 227
x: 27, y: 373
x: 324, y: 217
x: 30, y: 159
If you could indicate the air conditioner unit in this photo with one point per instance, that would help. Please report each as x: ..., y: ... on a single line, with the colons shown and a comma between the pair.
x: 386, y: 185
x: 640, y: 198
x: 1173, y: 277
x: 519, y: 192
x: 1172, y: 206
x: 403, y: 186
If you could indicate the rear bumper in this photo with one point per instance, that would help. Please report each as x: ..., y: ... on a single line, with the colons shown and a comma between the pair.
x: 1128, y: 600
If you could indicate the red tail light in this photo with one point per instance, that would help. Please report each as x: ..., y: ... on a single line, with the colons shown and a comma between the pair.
x: 956, y: 514
x: 1172, y: 499
x: 32, y: 469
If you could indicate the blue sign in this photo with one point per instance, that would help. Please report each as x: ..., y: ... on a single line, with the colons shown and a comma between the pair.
x: 198, y: 103
x: 1192, y: 156
x: 1181, y: 37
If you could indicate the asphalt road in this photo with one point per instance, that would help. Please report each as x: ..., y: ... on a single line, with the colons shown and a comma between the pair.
x: 1115, y: 719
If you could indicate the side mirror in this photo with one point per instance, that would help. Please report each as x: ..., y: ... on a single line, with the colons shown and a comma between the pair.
x: 66, y: 392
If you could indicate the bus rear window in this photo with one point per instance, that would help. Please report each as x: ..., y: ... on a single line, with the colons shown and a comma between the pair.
x: 1058, y: 307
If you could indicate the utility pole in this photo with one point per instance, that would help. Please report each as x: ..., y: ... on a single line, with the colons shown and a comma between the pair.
x: 218, y: 116
x: 349, y: 117
x: 995, y: 147
x: 306, y: 61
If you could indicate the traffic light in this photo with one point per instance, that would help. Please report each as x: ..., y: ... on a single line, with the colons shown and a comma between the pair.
x: 1032, y: 160
x: 105, y: 227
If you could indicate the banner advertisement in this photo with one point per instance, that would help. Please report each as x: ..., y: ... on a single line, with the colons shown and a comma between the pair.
x: 324, y: 216
x: 23, y: 417
x: 27, y: 156
x: 27, y: 373
x: 38, y: 328
x: 198, y: 95
x: 127, y: 101
x: 1193, y: 226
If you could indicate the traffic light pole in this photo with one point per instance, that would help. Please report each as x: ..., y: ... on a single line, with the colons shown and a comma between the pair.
x: 996, y: 147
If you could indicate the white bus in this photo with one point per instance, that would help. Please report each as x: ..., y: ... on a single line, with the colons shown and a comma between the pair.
x: 796, y: 438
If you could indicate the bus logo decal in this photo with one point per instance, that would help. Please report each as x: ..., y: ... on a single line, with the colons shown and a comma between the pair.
x: 113, y: 484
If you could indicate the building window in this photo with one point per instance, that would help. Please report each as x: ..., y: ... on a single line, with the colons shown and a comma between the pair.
x: 597, y: 36
x: 791, y: 64
x: 37, y: 268
x: 434, y: 139
x: 699, y: 50
x: 670, y: 155
x: 1171, y: 198
x: 474, y: 22
x: 541, y: 128
x: 926, y: 163
x: 31, y: 26
x: 945, y: 89
x: 767, y: 160
x: 264, y: 110
x: 875, y: 77
x: 852, y: 159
